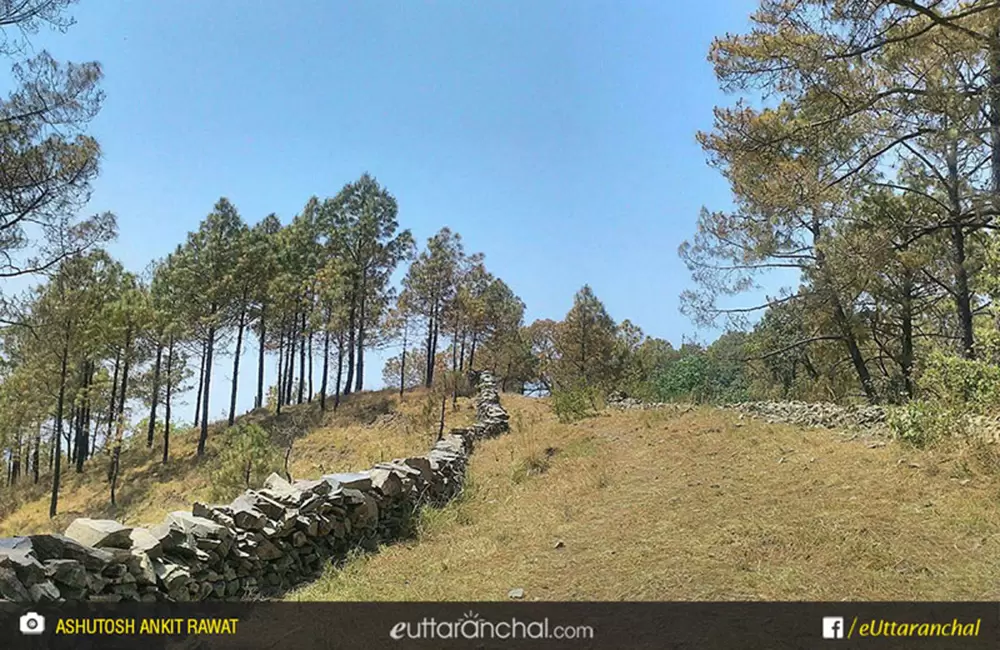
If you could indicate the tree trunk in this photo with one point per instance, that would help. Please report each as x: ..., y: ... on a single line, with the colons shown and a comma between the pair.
x: 434, y: 348
x: 993, y: 115
x: 151, y: 431
x: 279, y: 385
x: 93, y: 438
x: 402, y: 360
x: 429, y: 348
x: 203, y: 436
x: 472, y: 351
x: 444, y: 400
x: 309, y: 353
x: 302, y: 359
x: 87, y: 448
x: 35, y: 455
x: 57, y: 433
x: 236, y: 367
x: 454, y: 368
x: 201, y: 385
x: 73, y: 435
x: 340, y: 369
x: 262, y: 335
x: 841, y: 319
x: 461, y: 354
x: 114, y: 395
x: 326, y: 364
x: 290, y: 360
x: 309, y: 392
x: 166, y: 406
x: 963, y: 298
x: 360, y: 379
x: 15, y: 464
x: 906, y: 356
x: 351, y: 323
x: 116, y: 451
x: 850, y: 340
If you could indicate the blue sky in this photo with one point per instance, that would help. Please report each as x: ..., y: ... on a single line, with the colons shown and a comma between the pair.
x: 556, y: 137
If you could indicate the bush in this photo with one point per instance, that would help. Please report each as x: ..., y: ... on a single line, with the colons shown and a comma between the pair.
x: 247, y: 458
x: 574, y: 404
x: 956, y: 382
x: 683, y: 379
x: 920, y: 423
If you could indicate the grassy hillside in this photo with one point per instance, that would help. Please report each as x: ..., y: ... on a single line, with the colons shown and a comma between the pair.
x: 671, y: 504
x: 368, y: 427
x: 697, y: 504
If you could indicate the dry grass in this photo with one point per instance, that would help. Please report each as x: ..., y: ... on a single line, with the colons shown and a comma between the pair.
x: 696, y: 505
x: 367, y: 428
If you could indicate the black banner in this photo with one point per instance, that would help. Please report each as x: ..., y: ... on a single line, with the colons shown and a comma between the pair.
x: 370, y: 626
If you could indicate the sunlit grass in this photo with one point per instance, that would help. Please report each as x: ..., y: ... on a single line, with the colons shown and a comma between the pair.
x: 695, y: 505
x: 368, y: 427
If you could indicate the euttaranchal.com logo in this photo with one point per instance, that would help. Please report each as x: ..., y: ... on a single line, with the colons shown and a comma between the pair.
x: 472, y: 626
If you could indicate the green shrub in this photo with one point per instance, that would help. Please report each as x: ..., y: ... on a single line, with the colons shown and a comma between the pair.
x: 248, y: 457
x: 971, y: 384
x: 574, y: 404
x: 684, y: 379
x: 920, y: 423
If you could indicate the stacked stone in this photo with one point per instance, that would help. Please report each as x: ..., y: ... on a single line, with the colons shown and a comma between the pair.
x: 94, y: 561
x: 282, y: 533
x: 263, y: 542
x: 448, y: 460
x: 816, y: 414
x: 491, y: 418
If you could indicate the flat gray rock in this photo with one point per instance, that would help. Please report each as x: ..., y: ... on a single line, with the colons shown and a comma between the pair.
x: 319, y: 487
x: 11, y: 588
x: 44, y: 592
x: 144, y: 541
x: 277, y: 483
x: 171, y: 575
x: 422, y: 465
x: 246, y: 515
x: 387, y: 482
x: 100, y: 533
x: 170, y: 538
x: 196, y: 526
x: 351, y: 480
x: 28, y: 570
x: 11, y: 543
x: 67, y: 572
x: 265, y: 504
x: 55, y: 547
x: 267, y: 551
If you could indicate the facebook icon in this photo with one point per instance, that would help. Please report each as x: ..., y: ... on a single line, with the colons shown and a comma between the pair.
x: 833, y: 627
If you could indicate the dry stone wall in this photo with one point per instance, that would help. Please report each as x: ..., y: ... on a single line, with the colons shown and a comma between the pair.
x: 262, y: 543
x: 816, y: 414
x: 807, y: 414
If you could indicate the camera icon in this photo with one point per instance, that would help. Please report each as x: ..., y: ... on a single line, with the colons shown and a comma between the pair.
x: 32, y: 623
